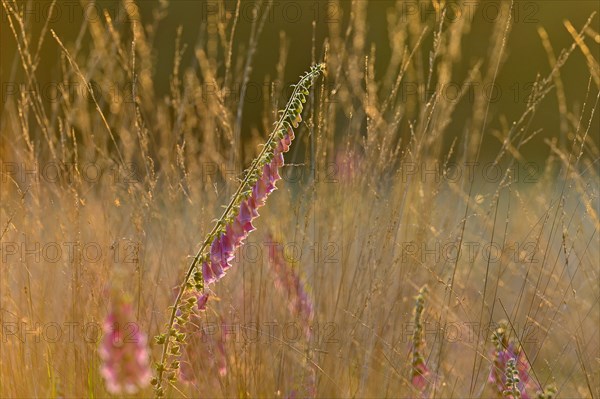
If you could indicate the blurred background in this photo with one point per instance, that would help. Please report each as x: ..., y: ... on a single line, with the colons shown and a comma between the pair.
x: 292, y: 22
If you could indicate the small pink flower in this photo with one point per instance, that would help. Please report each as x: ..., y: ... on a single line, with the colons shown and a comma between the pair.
x: 217, y: 269
x: 419, y: 375
x: 277, y: 160
x: 254, y: 205
x: 259, y: 192
x: 498, y: 369
x: 505, y: 350
x: 228, y: 247
x: 207, y: 273
x: 202, y: 300
x: 236, y: 230
x: 124, y: 351
x: 223, y: 247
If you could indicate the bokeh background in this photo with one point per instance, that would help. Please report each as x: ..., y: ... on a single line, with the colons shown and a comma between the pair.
x: 526, y: 58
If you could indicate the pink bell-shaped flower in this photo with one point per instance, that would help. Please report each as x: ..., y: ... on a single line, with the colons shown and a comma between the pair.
x: 124, y: 350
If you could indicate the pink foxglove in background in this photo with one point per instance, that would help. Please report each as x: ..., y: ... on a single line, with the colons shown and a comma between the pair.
x: 506, y: 353
x: 124, y: 350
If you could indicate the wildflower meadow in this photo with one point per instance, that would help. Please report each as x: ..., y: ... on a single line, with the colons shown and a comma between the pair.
x: 299, y: 199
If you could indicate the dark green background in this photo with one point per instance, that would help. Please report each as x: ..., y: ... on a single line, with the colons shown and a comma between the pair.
x: 526, y: 56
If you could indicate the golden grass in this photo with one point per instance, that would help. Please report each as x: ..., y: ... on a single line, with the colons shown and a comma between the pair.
x: 364, y: 238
